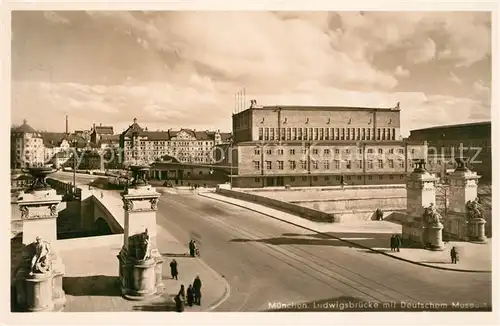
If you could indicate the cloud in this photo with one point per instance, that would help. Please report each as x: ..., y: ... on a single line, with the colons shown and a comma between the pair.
x: 173, y: 69
x: 454, y: 78
x: 401, y: 72
x: 422, y: 52
x: 55, y: 18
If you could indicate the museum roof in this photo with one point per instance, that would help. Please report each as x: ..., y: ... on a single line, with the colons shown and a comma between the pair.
x: 472, y: 124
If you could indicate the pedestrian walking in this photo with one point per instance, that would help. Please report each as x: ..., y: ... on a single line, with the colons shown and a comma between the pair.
x: 397, y: 240
x: 173, y: 269
x: 453, y: 254
x: 197, y: 290
x: 102, y: 195
x: 179, y: 304
x: 393, y: 242
x: 192, y: 248
x: 182, y: 293
x: 190, y: 295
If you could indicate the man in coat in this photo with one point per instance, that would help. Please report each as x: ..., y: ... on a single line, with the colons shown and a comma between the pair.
x: 173, y: 269
x: 197, y: 290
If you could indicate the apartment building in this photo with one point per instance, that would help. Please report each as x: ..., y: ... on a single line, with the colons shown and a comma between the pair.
x: 185, y: 145
x: 319, y: 146
x: 26, y: 146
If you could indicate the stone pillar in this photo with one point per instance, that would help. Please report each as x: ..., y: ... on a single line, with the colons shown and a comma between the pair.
x: 140, y: 266
x: 39, y: 288
x: 421, y: 193
x: 463, y: 190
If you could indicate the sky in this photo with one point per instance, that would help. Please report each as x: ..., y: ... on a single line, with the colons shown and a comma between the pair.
x: 183, y: 69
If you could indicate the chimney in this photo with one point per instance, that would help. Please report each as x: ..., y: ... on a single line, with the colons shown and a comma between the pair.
x: 93, y: 126
x: 100, y: 124
x: 25, y: 121
x: 67, y: 130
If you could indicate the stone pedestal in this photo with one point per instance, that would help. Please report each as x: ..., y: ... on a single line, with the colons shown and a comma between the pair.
x: 463, y: 204
x: 433, y: 237
x: 39, y: 291
x: 140, y: 278
x: 476, y: 230
x: 421, y: 193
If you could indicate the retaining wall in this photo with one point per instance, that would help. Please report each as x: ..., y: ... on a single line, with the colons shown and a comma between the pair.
x: 303, y: 212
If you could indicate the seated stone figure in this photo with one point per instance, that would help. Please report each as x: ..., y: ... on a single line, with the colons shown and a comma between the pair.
x: 140, y: 246
x: 431, y: 215
x: 40, y: 260
x: 473, y: 209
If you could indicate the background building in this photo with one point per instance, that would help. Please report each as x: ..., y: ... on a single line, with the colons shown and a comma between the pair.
x: 316, y: 146
x: 444, y: 143
x: 98, y: 132
x: 26, y: 146
x: 185, y: 145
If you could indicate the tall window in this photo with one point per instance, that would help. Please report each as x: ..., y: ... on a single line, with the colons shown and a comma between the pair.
x: 393, y: 134
x: 352, y: 133
x: 369, y: 165
x: 303, y: 164
x: 280, y: 165
x: 401, y: 163
x: 283, y: 133
x: 368, y: 134
x: 261, y: 134
x: 383, y: 133
x: 363, y: 136
x: 256, y: 165
x: 292, y: 151
x: 315, y: 165
x: 327, y: 133
x: 347, y: 133
x: 266, y: 133
x: 294, y: 133
x: 288, y: 133
x: 299, y: 134
x: 271, y: 137
x: 305, y: 134
x: 348, y: 165
x: 358, y: 135
x: 269, y: 165
x: 336, y: 164
x: 321, y: 134
x: 315, y: 133
x: 280, y: 151
x: 391, y: 164
x: 359, y: 165
x: 257, y: 151
x: 310, y: 133
x: 378, y: 133
x: 380, y: 164
x: 292, y: 165
x: 326, y: 165
x: 342, y: 136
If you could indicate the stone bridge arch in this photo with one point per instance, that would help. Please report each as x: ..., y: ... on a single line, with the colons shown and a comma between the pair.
x: 102, y: 227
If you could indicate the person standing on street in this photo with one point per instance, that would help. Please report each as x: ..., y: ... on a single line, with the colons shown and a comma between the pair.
x: 397, y: 241
x: 190, y: 295
x: 192, y: 248
x: 173, y: 269
x: 393, y: 242
x: 182, y: 293
x: 197, y: 290
x: 179, y: 304
x: 453, y: 254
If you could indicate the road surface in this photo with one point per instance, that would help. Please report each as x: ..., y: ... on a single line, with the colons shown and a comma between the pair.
x: 270, y: 264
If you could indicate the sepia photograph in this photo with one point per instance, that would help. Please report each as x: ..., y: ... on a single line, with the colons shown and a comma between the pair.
x: 250, y: 161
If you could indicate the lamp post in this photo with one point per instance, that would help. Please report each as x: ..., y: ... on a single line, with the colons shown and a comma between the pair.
x: 75, y: 144
x: 231, y: 162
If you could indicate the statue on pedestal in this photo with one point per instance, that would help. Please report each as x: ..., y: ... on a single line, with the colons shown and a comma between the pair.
x: 431, y: 215
x: 140, y: 246
x: 40, y: 263
x: 473, y: 209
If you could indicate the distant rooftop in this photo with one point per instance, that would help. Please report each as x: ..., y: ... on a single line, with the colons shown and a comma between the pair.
x: 255, y: 106
x: 472, y: 124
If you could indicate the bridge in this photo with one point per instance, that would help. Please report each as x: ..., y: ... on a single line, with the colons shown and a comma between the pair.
x: 97, y: 213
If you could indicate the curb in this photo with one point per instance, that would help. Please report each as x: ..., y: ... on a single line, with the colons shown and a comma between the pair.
x: 347, y: 241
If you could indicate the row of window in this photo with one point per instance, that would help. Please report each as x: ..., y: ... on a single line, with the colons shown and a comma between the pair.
x: 327, y: 134
x: 337, y: 178
x: 327, y: 151
x: 337, y: 164
x: 173, y: 143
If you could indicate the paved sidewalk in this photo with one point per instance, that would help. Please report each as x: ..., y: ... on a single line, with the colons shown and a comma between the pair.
x: 91, y: 279
x: 375, y: 236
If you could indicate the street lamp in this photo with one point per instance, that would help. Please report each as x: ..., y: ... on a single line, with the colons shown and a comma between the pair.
x: 231, y: 162
x: 75, y: 144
